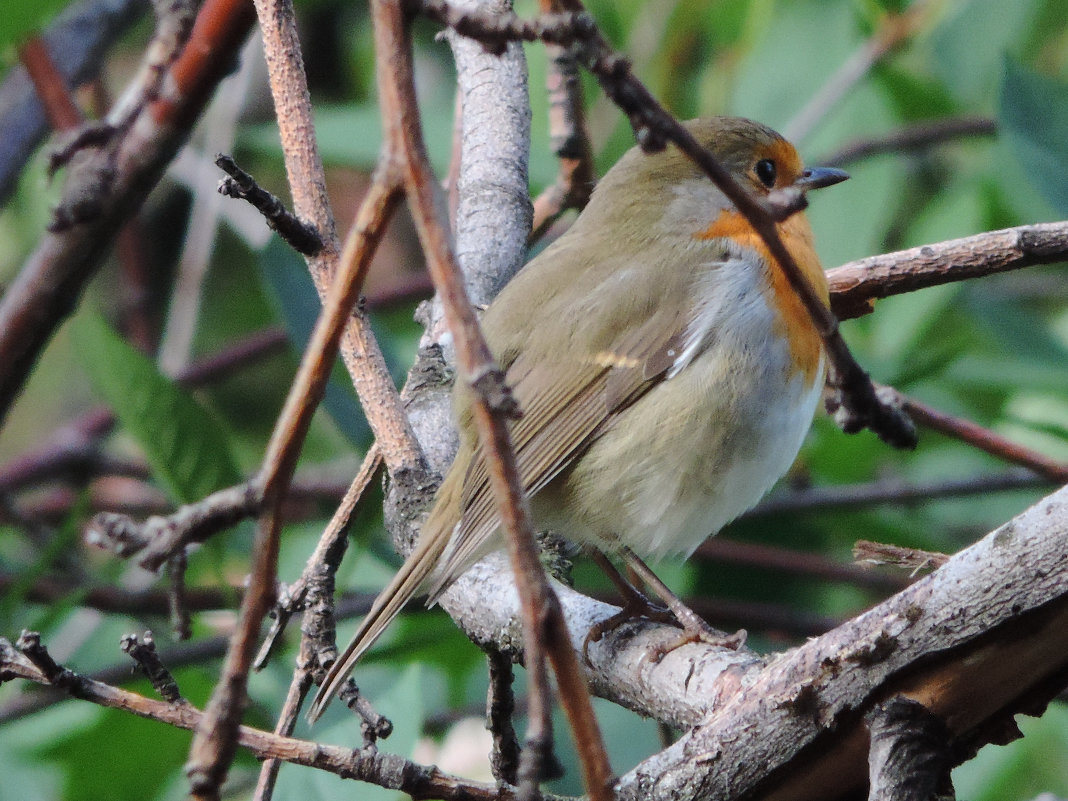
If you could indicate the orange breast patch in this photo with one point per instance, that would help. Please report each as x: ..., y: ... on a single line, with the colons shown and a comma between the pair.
x: 793, y: 320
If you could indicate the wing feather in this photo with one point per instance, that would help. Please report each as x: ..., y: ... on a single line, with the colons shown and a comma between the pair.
x: 565, y: 405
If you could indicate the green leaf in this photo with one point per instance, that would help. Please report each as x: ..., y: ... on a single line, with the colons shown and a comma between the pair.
x: 291, y: 290
x: 23, y: 17
x: 107, y: 758
x: 1033, y: 117
x: 185, y: 445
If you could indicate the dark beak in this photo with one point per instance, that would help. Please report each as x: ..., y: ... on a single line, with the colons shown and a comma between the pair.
x: 819, y: 177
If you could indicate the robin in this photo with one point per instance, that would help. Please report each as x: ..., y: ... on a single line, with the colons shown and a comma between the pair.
x: 666, y: 370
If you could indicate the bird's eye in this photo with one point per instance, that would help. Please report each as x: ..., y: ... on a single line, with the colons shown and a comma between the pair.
x: 765, y: 171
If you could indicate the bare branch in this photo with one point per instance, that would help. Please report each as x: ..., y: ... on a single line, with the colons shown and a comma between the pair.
x: 912, y: 137
x: 50, y: 283
x: 301, y: 237
x: 856, y: 285
x: 949, y: 641
x: 385, y: 770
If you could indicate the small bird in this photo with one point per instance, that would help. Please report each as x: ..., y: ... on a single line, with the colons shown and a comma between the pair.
x: 666, y: 370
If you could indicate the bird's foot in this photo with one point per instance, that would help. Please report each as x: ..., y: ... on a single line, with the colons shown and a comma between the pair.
x: 635, y: 605
x: 696, y: 630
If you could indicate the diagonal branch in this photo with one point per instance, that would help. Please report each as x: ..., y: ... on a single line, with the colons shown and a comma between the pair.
x: 542, y: 619
x: 51, y: 282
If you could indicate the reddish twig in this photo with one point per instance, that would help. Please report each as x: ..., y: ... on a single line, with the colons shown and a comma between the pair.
x: 51, y: 281
x: 986, y: 440
x: 216, y: 739
x: 52, y: 91
x: 543, y: 621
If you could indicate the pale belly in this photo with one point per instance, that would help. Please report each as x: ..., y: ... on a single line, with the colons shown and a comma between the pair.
x: 695, y: 452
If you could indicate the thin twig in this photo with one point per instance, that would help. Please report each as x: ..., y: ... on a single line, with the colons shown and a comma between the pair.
x: 888, y: 491
x: 912, y: 559
x: 77, y: 39
x: 569, y: 136
x: 160, y: 538
x: 299, y: 235
x: 317, y: 577
x: 33, y: 664
x: 986, y: 440
x: 892, y: 31
x: 218, y: 130
x: 287, y: 721
x: 500, y: 707
x: 215, y: 742
x: 792, y: 562
x: 917, y: 136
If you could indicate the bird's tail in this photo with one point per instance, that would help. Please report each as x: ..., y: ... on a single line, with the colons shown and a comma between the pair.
x: 411, y: 577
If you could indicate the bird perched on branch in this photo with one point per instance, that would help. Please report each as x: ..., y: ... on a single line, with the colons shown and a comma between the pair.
x: 666, y: 370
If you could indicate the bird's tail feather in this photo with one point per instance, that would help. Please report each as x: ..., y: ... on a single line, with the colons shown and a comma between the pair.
x: 404, y: 586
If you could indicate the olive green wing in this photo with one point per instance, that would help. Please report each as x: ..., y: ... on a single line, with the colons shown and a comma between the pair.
x: 564, y: 406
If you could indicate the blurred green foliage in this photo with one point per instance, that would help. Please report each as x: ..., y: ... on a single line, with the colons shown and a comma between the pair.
x: 993, y: 350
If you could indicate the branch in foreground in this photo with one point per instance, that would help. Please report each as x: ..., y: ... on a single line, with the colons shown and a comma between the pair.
x: 298, y: 235
x: 385, y: 770
x: 542, y: 620
x: 215, y: 742
x: 950, y: 641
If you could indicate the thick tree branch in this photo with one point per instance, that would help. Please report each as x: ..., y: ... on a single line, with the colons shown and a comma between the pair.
x: 977, y: 640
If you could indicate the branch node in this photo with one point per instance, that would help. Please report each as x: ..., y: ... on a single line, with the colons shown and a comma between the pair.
x: 301, y: 236
x: 143, y: 652
x: 29, y: 645
x: 488, y: 382
x: 856, y: 403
